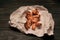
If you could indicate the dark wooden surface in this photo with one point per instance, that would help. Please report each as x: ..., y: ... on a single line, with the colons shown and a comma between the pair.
x: 8, y: 6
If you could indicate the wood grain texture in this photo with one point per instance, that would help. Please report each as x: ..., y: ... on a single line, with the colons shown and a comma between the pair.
x: 8, y: 6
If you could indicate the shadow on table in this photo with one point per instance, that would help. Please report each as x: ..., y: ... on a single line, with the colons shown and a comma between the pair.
x: 14, y: 29
x: 45, y: 37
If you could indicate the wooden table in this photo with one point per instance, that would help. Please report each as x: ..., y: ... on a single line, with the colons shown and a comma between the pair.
x: 8, y: 6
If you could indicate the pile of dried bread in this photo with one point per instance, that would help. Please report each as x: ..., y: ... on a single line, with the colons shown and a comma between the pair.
x: 34, y: 20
